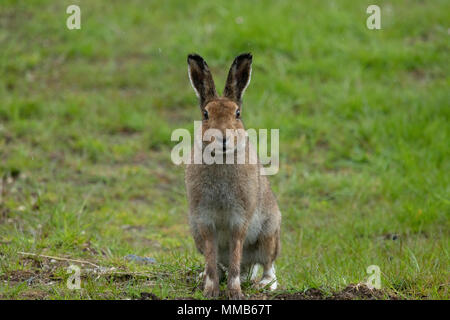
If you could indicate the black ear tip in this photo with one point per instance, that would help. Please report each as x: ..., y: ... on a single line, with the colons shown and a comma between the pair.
x: 244, y: 56
x: 195, y: 57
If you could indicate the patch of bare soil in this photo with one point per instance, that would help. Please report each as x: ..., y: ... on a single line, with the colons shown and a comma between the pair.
x: 310, y: 294
x: 351, y: 292
x: 34, y: 295
x: 149, y: 296
x: 361, y: 291
x: 18, y: 276
x: 29, y: 276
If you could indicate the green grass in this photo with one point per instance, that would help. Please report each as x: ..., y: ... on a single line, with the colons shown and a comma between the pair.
x: 86, y: 118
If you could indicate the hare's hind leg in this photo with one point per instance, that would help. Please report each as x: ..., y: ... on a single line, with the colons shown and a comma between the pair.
x: 269, y: 279
x: 249, y: 273
x: 254, y: 274
x: 270, y: 248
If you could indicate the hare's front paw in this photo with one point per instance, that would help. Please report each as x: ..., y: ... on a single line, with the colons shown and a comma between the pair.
x: 211, y: 288
x: 211, y: 292
x: 234, y: 289
x: 235, y: 294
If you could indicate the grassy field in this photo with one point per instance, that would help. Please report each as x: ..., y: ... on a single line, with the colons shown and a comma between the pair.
x: 86, y: 117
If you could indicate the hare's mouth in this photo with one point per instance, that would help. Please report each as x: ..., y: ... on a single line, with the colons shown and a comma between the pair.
x: 228, y: 148
x: 225, y: 150
x: 220, y: 149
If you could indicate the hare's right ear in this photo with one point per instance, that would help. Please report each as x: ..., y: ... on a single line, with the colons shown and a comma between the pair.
x: 201, y: 79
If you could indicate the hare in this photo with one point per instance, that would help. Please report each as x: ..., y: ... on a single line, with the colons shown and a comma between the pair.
x: 233, y: 214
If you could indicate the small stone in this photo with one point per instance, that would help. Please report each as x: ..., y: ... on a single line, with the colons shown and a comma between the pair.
x: 138, y: 259
x: 30, y: 280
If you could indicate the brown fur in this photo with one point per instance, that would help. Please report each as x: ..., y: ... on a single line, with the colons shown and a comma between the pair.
x: 233, y: 214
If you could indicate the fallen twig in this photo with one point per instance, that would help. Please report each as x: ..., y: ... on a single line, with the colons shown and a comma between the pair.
x: 99, y: 270
x: 58, y: 258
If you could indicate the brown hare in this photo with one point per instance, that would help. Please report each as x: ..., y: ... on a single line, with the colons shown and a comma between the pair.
x: 233, y: 214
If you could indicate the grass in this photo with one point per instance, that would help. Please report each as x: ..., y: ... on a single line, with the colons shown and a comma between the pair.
x: 86, y: 117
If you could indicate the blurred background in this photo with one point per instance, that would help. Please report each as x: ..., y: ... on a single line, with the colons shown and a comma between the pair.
x: 86, y: 117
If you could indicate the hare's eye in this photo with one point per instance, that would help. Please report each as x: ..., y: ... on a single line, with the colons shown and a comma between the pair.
x: 205, y: 114
x: 238, y: 113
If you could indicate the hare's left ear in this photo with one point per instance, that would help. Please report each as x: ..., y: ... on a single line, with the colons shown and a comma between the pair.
x: 238, y: 77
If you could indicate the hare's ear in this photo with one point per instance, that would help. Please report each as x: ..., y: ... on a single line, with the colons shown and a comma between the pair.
x: 238, y: 77
x: 201, y: 79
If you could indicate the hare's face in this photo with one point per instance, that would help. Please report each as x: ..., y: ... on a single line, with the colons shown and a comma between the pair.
x: 221, y: 116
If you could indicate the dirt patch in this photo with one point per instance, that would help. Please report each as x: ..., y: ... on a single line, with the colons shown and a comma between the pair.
x: 31, y: 277
x: 361, y: 291
x: 149, y: 296
x: 152, y: 296
x: 34, y: 295
x: 310, y: 294
x: 351, y: 292
x: 18, y: 276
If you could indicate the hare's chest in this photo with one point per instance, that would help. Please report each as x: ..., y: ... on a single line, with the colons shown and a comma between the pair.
x: 219, y: 196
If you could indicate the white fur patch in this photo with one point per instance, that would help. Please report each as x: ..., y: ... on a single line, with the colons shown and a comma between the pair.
x: 209, y: 284
x: 269, y: 277
x: 254, y: 228
x: 248, y: 82
x: 273, y: 284
x: 255, y: 270
x: 192, y: 83
x: 235, y: 282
